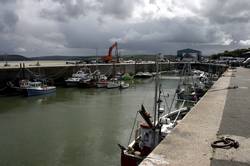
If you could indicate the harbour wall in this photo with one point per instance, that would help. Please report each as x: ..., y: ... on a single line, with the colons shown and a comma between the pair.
x: 58, y: 74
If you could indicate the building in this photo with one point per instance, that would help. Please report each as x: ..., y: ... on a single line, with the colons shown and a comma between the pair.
x: 189, y: 55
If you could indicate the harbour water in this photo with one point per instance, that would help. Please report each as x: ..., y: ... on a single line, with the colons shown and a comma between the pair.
x: 73, y: 127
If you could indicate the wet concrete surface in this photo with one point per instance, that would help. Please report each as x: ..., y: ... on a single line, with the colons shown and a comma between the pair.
x: 235, y: 121
x: 224, y: 111
x: 236, y: 115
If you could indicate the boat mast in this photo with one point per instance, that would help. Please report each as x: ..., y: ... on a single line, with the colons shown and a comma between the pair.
x: 117, y: 54
x: 96, y: 58
x: 156, y: 89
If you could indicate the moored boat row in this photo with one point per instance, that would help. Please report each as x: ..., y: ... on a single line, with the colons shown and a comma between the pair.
x: 152, y: 131
x: 86, y: 79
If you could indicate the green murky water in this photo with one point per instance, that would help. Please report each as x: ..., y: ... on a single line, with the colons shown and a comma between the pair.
x: 74, y: 127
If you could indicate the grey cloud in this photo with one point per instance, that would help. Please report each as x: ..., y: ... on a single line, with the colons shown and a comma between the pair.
x: 150, y: 36
x: 85, y: 35
x: 121, y: 9
x: 78, y: 27
x: 227, y: 11
x: 176, y: 30
x: 7, y: 1
x: 66, y: 10
x: 10, y: 18
x: 8, y: 21
x: 230, y: 16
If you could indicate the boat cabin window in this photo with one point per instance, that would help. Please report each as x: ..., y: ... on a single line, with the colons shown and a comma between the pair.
x: 35, y: 84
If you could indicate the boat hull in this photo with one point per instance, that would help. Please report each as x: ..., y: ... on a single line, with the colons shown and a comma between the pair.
x: 87, y: 84
x: 143, y: 75
x: 101, y: 84
x: 124, y: 86
x: 130, y: 160
x: 42, y: 91
x: 72, y: 83
x: 112, y: 86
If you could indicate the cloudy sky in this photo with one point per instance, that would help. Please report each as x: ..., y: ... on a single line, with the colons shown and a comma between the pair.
x: 79, y: 27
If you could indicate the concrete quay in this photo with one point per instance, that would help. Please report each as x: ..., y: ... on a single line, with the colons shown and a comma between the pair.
x: 223, y: 111
x: 58, y: 71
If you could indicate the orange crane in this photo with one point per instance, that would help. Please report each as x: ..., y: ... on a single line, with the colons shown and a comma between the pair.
x: 108, y: 58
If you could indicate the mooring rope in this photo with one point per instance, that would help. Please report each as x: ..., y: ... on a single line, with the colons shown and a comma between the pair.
x: 179, y: 112
x: 225, y: 143
x: 58, y: 74
x: 33, y: 73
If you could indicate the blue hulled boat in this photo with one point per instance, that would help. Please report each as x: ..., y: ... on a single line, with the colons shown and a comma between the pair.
x: 37, y: 88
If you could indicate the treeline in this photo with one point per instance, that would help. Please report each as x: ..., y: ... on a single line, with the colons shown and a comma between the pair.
x: 13, y: 58
x: 241, y: 53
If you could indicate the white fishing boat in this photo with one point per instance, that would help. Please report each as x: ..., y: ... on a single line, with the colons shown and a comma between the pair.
x: 189, y: 89
x: 188, y: 93
x: 113, y: 83
x: 124, y: 85
x: 76, y: 77
x: 72, y: 81
x: 102, y: 81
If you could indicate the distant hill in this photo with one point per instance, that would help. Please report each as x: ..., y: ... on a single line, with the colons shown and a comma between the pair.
x: 81, y: 58
x: 241, y: 53
x: 87, y: 58
x: 54, y: 57
x: 57, y: 57
x: 13, y: 58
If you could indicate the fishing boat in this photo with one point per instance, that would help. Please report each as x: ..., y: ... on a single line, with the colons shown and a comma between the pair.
x: 123, y: 85
x: 87, y: 82
x: 188, y: 93
x: 113, y: 83
x: 72, y: 81
x: 76, y: 77
x: 189, y: 89
x: 102, y: 81
x: 95, y: 79
x: 150, y: 132
x: 35, y: 88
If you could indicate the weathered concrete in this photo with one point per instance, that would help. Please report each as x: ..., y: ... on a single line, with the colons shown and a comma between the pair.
x: 221, y: 112
x: 235, y: 121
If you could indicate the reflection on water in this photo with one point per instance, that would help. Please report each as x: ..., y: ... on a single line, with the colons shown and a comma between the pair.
x: 72, y: 127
